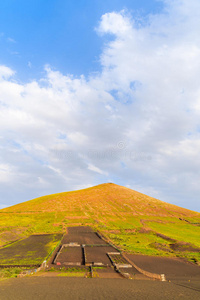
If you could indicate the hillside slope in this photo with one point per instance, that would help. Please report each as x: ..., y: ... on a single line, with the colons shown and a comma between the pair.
x: 135, y: 222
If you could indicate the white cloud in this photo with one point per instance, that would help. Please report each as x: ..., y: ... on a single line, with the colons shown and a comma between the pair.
x: 57, y: 130
x: 115, y: 23
x: 97, y: 170
x: 5, y: 72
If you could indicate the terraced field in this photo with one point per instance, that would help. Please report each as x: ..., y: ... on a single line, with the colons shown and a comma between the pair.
x: 31, y: 251
x: 98, y: 255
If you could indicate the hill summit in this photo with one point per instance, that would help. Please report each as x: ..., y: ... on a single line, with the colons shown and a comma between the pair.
x: 104, y: 198
x: 135, y: 222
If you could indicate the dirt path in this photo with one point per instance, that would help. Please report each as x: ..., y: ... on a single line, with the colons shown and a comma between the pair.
x: 95, y: 289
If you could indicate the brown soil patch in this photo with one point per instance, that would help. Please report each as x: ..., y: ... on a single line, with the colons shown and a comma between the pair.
x: 167, y: 238
x: 114, y: 231
x: 183, y: 247
x: 160, y: 246
x: 144, y: 230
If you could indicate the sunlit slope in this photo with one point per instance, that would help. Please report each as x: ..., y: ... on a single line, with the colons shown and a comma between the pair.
x: 133, y: 221
x: 109, y: 199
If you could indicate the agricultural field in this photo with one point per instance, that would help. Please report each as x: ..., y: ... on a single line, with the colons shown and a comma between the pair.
x: 118, y: 259
x: 74, y: 251
x: 31, y: 251
x: 83, y: 238
x: 134, y: 222
x: 98, y: 255
x: 71, y: 255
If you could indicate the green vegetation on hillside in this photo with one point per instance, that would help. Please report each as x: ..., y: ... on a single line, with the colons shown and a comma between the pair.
x: 132, y: 221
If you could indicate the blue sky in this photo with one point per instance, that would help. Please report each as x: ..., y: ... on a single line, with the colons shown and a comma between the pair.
x: 57, y: 32
x: 100, y: 91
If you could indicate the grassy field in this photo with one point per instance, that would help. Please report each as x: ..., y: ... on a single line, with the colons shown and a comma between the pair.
x: 133, y: 221
x: 10, y: 272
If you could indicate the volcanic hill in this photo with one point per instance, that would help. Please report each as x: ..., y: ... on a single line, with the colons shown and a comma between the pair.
x: 134, y: 222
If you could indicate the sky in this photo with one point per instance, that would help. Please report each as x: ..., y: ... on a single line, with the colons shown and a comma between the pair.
x: 98, y: 91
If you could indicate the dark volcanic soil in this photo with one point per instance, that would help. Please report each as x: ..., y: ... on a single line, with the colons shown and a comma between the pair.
x: 79, y: 230
x: 87, y: 238
x: 92, y: 289
x: 70, y: 255
x: 173, y: 268
x: 98, y: 254
x: 28, y: 251
x: 184, y: 247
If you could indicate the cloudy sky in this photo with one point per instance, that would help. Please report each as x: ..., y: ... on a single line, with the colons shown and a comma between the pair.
x: 104, y: 91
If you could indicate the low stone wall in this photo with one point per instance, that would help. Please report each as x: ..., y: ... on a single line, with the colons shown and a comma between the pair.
x: 84, y: 255
x: 32, y: 271
x: 101, y: 236
x: 19, y: 266
x: 160, y: 277
x: 127, y: 276
x: 55, y: 255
